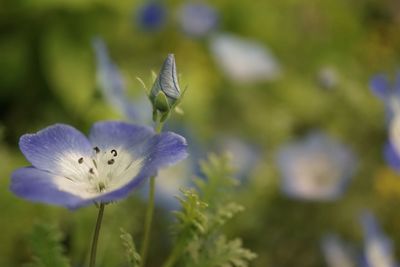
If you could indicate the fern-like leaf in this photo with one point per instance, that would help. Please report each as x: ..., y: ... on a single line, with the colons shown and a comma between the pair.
x: 46, y: 246
x: 191, y: 220
x: 199, y: 226
x: 219, y: 180
x: 226, y: 253
x: 132, y: 255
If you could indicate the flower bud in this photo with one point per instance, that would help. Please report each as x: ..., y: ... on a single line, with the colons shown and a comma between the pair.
x: 165, y: 93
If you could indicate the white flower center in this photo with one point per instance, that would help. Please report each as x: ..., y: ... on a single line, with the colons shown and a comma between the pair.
x: 103, y: 172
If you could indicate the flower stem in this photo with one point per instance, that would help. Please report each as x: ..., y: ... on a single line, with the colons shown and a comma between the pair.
x: 150, y: 210
x: 148, y: 221
x: 96, y: 236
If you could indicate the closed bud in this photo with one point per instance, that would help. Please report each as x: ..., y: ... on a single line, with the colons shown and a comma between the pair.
x: 165, y: 93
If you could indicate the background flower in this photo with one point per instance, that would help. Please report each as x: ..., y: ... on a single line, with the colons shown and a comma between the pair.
x: 315, y: 168
x: 113, y: 87
x: 152, y: 15
x: 197, y: 19
x: 378, y: 249
x: 337, y: 253
x: 243, y: 60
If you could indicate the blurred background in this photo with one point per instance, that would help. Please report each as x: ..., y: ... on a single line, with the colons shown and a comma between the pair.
x: 283, y: 85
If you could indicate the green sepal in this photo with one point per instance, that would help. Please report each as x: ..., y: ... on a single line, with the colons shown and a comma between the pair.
x: 161, y: 102
x: 164, y: 116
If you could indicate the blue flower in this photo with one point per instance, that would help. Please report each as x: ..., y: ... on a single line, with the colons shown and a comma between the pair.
x: 243, y: 60
x: 113, y: 87
x: 244, y: 156
x: 391, y: 156
x: 316, y: 168
x: 152, y: 16
x: 378, y: 249
x: 337, y: 253
x: 198, y: 19
x: 71, y: 170
x: 389, y: 94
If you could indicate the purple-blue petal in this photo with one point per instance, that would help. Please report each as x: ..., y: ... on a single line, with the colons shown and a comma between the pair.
x: 114, y: 134
x: 38, y: 186
x: 391, y: 156
x: 380, y: 86
x: 373, y: 233
x: 47, y: 147
x: 160, y: 151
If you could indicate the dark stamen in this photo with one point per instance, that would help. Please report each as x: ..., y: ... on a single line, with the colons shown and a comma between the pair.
x: 80, y: 161
x: 94, y: 163
x: 114, y: 152
x: 111, y: 161
x: 91, y: 171
x: 96, y: 149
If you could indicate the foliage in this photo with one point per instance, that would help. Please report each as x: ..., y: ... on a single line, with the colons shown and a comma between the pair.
x: 130, y: 249
x: 46, y: 247
x: 198, y: 230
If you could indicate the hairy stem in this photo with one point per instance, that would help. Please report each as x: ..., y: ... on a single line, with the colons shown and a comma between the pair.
x: 96, y: 236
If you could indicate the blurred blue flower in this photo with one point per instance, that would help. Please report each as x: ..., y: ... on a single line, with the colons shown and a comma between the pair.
x: 337, y: 253
x: 244, y: 156
x: 243, y: 60
x: 391, y: 156
x: 378, y: 249
x: 389, y: 94
x: 316, y: 168
x: 198, y: 19
x: 71, y: 170
x: 171, y: 180
x: 152, y: 15
x: 113, y: 88
x: 382, y: 88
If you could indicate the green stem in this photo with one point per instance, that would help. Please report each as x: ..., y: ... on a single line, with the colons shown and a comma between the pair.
x: 96, y: 236
x: 148, y: 221
x: 174, y: 256
x: 150, y: 210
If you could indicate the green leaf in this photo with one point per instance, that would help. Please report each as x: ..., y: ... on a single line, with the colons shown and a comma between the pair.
x: 191, y: 220
x: 132, y: 255
x: 47, y: 250
x: 225, y: 213
x: 230, y: 254
x: 198, y: 229
x: 219, y: 181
